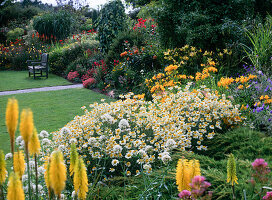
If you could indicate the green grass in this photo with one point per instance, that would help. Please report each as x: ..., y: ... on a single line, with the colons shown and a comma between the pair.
x: 16, y: 80
x: 51, y: 110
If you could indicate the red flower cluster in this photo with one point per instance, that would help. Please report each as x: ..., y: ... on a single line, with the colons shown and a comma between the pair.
x: 89, y: 82
x: 140, y: 24
x: 72, y: 75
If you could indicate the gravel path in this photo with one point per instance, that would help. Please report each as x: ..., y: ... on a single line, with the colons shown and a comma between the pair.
x: 41, y: 89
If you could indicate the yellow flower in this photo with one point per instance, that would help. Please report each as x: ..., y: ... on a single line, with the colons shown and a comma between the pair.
x: 80, y: 179
x: 34, y: 143
x: 186, y: 170
x: 3, y: 171
x: 231, y: 170
x: 170, y: 68
x: 57, y: 172
x: 240, y: 87
x: 26, y: 125
x: 12, y: 113
x: 15, y: 188
x: 19, y: 163
x: 73, y: 158
x: 46, y: 175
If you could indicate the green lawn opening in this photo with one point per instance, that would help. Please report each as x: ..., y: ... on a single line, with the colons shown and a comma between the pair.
x: 18, y: 80
x: 51, y: 110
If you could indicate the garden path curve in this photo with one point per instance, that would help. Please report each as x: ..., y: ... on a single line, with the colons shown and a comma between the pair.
x: 42, y: 89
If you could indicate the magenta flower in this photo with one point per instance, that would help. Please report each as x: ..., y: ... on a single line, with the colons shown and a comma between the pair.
x: 268, y: 196
x: 185, y: 194
x: 259, y: 163
x: 199, y: 186
x: 261, y: 170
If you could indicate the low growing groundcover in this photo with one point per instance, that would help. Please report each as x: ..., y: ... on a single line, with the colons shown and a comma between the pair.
x: 51, y: 110
x: 17, y: 80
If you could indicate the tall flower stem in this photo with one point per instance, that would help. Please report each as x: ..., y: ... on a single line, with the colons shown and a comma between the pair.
x: 1, y: 193
x: 36, y: 177
x: 12, y: 146
x: 233, y: 192
x: 28, y: 170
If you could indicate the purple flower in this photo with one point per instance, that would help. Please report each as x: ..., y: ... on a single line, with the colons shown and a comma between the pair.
x: 269, y: 120
x: 266, y: 89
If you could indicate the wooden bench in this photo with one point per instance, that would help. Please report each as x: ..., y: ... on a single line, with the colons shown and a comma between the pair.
x: 37, y: 67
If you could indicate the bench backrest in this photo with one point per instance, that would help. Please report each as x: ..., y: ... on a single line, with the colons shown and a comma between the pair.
x: 44, y: 59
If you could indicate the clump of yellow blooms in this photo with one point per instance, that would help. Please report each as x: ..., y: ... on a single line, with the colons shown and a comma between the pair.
x: 185, y: 172
x: 73, y: 158
x: 34, y: 144
x: 3, y: 171
x: 19, y: 163
x: 80, y: 179
x: 46, y: 175
x: 266, y: 99
x: 231, y: 170
x: 180, y: 57
x: 57, y: 173
x: 26, y: 125
x: 226, y: 81
x: 12, y: 114
x: 15, y: 188
x: 170, y: 68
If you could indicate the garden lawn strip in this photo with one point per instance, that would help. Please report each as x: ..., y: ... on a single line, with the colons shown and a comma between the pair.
x: 18, y: 80
x: 51, y: 110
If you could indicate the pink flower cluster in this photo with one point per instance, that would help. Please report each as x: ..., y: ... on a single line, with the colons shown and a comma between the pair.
x: 72, y: 75
x: 268, y: 196
x: 185, y: 194
x: 88, y: 83
x: 199, y: 187
x: 261, y: 170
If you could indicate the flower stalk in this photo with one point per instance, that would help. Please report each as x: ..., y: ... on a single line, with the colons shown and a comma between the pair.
x: 26, y: 130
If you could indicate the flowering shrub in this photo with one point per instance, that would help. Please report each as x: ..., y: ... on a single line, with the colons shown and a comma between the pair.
x: 268, y: 196
x: 254, y: 91
x: 16, y: 54
x: 72, y: 76
x: 133, y: 134
x: 89, y: 83
x: 261, y: 170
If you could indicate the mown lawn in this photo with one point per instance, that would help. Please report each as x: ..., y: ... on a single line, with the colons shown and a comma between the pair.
x: 51, y: 110
x: 16, y: 80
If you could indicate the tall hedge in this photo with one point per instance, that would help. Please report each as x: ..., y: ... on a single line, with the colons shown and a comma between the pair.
x: 111, y: 20
x: 56, y: 24
x: 199, y: 23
